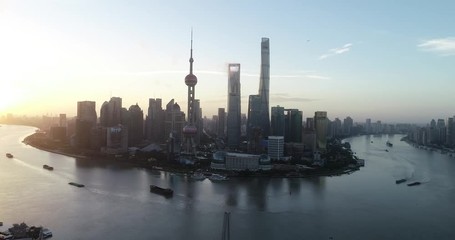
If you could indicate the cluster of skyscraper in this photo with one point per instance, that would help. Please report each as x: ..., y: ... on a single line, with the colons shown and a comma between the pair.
x: 119, y: 128
x: 259, y: 131
x: 256, y: 132
x: 436, y: 133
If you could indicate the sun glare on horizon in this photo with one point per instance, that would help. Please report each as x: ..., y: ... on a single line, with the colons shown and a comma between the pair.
x: 9, y: 99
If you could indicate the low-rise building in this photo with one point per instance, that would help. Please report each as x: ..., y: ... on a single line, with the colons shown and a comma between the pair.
x: 240, y: 161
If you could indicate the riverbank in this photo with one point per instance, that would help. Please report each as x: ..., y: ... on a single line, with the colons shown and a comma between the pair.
x: 40, y: 141
x: 432, y: 148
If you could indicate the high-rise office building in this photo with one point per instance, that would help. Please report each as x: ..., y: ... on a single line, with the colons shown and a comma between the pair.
x: 293, y: 125
x: 104, y: 114
x: 442, y: 131
x: 221, y: 118
x: 154, y: 123
x: 85, y: 122
x: 62, y: 120
x: 368, y: 126
x: 198, y: 121
x: 264, y: 87
x: 233, y: 123
x: 213, y: 124
x: 321, y: 123
x: 173, y: 124
x: 86, y: 111
x: 275, y: 147
x: 111, y: 112
x: 309, y: 135
x: 336, y: 128
x: 277, y: 121
x: 254, y: 131
x: 135, y: 125
x: 190, y: 129
x: 116, y: 140
x: 114, y: 112
x: 450, y: 132
x: 348, y: 123
x: 309, y: 124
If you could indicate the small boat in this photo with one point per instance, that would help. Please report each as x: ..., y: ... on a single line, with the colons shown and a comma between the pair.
x: 414, y: 184
x: 167, y: 192
x: 217, y: 177
x: 400, y: 181
x: 389, y: 144
x: 76, y: 184
x: 47, y: 233
x: 386, y: 150
x: 197, y: 176
x: 45, y: 166
x: 9, y: 155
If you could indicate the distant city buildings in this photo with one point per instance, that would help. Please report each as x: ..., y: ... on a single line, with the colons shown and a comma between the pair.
x: 436, y: 134
x: 277, y: 131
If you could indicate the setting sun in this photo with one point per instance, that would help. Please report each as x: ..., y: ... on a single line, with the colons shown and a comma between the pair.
x: 8, y: 98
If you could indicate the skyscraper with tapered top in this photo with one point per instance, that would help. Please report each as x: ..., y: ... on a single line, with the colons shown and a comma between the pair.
x: 190, y: 129
x: 264, y: 87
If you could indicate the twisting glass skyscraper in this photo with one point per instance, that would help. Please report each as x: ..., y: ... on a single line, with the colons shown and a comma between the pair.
x: 264, y: 87
x: 233, y: 114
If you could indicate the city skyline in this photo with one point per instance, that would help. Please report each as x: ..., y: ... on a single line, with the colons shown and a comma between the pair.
x: 385, y: 61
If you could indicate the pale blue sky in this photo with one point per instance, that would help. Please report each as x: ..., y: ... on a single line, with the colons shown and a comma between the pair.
x: 386, y: 60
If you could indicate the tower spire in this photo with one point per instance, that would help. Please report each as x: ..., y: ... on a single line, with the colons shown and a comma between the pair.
x: 190, y: 130
x: 191, y: 53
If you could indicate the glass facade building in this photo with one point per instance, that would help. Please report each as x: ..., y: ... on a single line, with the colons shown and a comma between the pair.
x: 233, y: 123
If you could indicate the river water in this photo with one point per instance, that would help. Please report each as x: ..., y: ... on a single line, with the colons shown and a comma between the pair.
x: 116, y: 202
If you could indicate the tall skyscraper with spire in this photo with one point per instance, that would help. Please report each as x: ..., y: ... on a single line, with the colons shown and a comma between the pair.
x: 190, y: 130
x: 264, y: 87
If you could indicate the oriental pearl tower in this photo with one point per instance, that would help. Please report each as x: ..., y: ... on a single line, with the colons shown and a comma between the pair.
x: 190, y: 130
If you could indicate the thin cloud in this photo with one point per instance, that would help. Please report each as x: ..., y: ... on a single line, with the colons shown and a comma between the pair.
x: 284, y: 97
x: 141, y: 73
x: 336, y: 51
x: 319, y: 77
x: 440, y: 46
x: 163, y: 72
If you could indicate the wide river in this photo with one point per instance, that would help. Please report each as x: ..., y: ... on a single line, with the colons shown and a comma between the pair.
x: 116, y: 202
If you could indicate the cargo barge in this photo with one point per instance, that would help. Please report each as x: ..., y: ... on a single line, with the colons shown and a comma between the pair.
x: 167, y: 192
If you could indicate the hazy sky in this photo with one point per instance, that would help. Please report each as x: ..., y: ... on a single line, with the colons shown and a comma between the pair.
x: 388, y: 60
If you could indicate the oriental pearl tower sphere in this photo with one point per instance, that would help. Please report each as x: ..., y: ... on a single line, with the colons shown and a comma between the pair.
x: 190, y: 130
